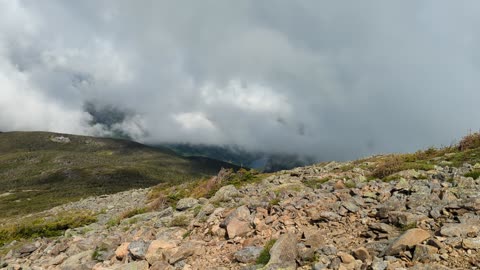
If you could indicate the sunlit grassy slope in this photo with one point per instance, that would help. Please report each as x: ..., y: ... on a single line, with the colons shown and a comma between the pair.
x: 39, y: 170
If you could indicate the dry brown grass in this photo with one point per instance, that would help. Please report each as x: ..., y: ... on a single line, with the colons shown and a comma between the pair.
x: 470, y: 141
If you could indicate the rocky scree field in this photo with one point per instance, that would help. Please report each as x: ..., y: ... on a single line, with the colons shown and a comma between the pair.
x: 409, y: 211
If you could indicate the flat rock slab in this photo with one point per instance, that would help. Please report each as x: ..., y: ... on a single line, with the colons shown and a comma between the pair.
x: 409, y: 239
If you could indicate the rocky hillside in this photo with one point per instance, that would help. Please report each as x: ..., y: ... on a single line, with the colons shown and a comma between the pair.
x: 416, y: 211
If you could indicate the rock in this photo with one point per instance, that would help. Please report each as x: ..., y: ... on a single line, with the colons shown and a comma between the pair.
x: 346, y: 258
x: 283, y: 253
x: 424, y: 253
x: 362, y: 254
x: 225, y: 194
x: 184, y: 251
x: 156, y: 250
x: 161, y: 266
x: 379, y: 264
x: 459, y: 230
x: 122, y: 251
x: 409, y: 239
x: 471, y: 243
x: 186, y: 203
x: 404, y: 218
x: 138, y: 249
x: 80, y: 261
x: 248, y: 254
x: 328, y: 250
x: 237, y: 223
x: 382, y: 227
x: 27, y: 249
x: 140, y: 265
x: 339, y: 185
x: 59, y: 248
x: 237, y: 228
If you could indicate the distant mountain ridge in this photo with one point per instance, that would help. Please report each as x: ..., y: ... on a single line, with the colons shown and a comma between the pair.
x: 262, y: 161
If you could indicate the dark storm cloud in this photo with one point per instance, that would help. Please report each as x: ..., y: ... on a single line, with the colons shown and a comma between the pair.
x: 334, y: 80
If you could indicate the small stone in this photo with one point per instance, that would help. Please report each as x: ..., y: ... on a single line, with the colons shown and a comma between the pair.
x: 379, y: 264
x: 424, y: 253
x: 122, y: 251
x: 140, y: 265
x: 362, y: 254
x: 346, y: 258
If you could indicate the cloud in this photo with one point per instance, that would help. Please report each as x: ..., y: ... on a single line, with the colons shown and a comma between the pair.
x: 319, y: 78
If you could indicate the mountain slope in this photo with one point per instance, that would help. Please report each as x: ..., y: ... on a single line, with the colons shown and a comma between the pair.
x: 39, y: 169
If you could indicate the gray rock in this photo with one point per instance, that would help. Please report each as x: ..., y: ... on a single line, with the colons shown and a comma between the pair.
x: 459, y: 230
x: 225, y: 194
x: 80, y: 261
x: 283, y: 253
x: 471, y: 243
x: 248, y: 254
x: 186, y: 203
x: 138, y: 249
x: 379, y: 264
x: 141, y: 265
x: 424, y: 253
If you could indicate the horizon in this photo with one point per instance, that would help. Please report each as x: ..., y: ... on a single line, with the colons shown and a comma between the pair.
x: 313, y: 78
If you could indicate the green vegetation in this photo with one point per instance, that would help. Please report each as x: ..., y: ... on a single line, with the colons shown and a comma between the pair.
x: 316, y: 182
x: 171, y: 193
x: 179, y: 221
x: 127, y: 214
x: 32, y: 227
x: 264, y: 256
x: 474, y: 174
x: 466, y: 151
x: 39, y: 170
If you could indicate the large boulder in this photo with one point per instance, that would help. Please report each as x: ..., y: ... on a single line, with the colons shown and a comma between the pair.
x: 238, y: 222
x: 283, y: 253
x: 186, y: 203
x: 225, y: 194
x: 409, y: 239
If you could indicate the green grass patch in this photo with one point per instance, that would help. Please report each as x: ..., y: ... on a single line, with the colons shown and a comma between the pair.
x: 264, y: 256
x: 474, y: 174
x: 42, y: 173
x: 28, y: 228
x: 316, y: 182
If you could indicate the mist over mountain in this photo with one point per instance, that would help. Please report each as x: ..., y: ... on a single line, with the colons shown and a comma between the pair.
x: 314, y: 78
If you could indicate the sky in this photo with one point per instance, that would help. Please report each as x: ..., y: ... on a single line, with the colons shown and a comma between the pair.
x: 329, y: 79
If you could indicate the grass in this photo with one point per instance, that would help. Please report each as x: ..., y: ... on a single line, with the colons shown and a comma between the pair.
x: 39, y: 173
x: 170, y: 193
x: 264, y: 256
x: 179, y: 221
x: 315, y: 183
x: 27, y: 228
x: 474, y: 174
x: 114, y: 221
